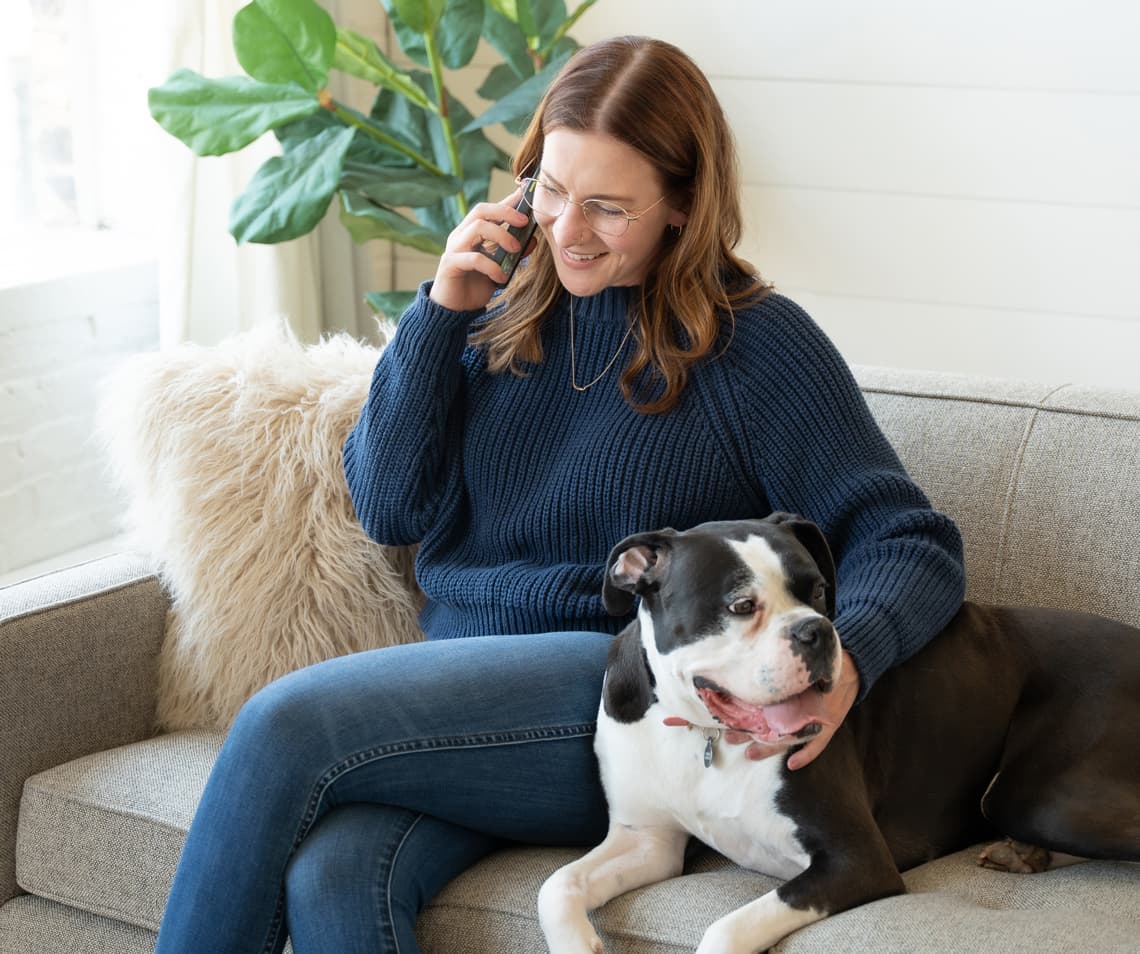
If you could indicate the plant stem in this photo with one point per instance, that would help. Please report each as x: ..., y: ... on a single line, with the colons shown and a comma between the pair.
x: 564, y: 29
x: 347, y: 116
x: 445, y: 117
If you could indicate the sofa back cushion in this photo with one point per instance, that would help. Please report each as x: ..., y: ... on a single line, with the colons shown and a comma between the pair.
x: 1044, y: 481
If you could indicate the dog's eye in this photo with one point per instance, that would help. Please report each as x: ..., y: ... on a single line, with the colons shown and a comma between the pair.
x: 819, y: 594
x: 743, y: 607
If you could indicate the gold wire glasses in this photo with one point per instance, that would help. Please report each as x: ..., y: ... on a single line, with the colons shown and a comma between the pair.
x: 601, y: 216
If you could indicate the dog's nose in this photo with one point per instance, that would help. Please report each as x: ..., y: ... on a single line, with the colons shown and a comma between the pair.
x: 810, y: 631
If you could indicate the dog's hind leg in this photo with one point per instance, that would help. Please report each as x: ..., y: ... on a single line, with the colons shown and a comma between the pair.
x: 1057, y: 810
x: 629, y: 857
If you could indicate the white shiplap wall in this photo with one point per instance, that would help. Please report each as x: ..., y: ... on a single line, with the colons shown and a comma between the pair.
x: 943, y: 185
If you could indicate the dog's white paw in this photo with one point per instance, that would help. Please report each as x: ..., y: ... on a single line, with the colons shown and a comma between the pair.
x: 720, y: 939
x: 564, y: 922
x: 571, y: 941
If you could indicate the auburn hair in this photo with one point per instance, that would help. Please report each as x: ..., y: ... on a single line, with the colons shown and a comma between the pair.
x: 651, y: 96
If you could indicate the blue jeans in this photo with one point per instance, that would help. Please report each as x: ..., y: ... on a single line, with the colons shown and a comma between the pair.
x: 348, y: 793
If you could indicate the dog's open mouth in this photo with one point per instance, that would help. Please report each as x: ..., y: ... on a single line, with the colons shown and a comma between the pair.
x: 797, y: 717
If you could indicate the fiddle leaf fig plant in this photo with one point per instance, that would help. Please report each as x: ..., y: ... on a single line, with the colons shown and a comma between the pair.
x: 404, y: 167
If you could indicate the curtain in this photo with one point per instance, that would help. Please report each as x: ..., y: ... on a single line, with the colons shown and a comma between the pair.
x: 211, y: 288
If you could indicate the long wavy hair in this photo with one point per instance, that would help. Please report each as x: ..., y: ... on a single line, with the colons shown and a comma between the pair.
x: 649, y: 95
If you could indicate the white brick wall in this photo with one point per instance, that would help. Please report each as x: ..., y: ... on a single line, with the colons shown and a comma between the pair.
x: 58, y: 338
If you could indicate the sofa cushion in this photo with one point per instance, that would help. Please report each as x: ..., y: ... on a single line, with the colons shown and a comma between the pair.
x: 954, y: 907
x: 31, y: 925
x: 103, y: 834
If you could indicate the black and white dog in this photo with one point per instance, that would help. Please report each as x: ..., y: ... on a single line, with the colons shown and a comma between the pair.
x: 1018, y: 722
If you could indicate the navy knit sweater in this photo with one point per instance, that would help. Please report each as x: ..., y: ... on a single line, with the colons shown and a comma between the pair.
x: 517, y: 487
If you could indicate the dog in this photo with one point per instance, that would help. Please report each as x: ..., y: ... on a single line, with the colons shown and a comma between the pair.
x: 1013, y: 721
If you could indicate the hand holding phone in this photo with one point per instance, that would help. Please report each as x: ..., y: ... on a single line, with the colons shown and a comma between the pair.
x: 509, y: 261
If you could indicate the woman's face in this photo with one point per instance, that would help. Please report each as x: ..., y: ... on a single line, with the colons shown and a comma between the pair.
x: 585, y: 165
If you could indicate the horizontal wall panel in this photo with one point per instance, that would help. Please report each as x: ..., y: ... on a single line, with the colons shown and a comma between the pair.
x: 1050, y: 44
x: 1031, y: 146
x: 1010, y: 344
x: 1004, y: 255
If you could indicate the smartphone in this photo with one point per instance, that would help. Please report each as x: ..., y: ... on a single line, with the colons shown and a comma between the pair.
x: 509, y: 261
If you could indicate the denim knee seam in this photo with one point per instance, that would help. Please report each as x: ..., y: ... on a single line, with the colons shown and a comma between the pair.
x: 394, y: 859
x: 412, y: 746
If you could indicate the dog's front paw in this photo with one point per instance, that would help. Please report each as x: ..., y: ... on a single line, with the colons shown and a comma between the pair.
x: 721, y: 939
x: 564, y: 922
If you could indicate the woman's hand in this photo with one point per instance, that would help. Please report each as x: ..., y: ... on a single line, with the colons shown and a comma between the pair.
x: 835, y: 705
x: 466, y: 278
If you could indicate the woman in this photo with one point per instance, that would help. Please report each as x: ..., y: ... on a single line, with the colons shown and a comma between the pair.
x: 634, y: 374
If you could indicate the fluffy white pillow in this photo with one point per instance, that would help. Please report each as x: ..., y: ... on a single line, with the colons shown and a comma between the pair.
x: 231, y: 460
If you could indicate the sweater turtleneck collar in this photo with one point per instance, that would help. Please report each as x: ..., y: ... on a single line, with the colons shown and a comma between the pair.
x: 609, y: 306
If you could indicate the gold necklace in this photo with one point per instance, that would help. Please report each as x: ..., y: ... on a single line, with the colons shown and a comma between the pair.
x: 573, y: 363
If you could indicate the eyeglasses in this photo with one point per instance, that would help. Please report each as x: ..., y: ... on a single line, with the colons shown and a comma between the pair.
x: 604, y: 217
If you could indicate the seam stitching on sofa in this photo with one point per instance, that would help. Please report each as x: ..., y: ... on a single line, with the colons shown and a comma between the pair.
x: 1038, y: 405
x: 93, y: 804
x: 81, y: 598
x: 533, y: 919
x: 1011, y: 495
x: 127, y: 917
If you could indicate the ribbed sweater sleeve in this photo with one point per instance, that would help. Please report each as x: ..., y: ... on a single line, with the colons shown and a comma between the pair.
x: 401, y: 460
x: 814, y: 448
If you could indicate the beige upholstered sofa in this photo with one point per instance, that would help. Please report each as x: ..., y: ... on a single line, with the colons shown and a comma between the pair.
x: 1045, y: 483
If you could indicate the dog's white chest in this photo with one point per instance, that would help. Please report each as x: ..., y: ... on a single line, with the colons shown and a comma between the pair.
x: 656, y: 775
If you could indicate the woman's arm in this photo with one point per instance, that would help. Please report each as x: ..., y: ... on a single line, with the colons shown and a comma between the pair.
x: 814, y: 448
x: 401, y: 460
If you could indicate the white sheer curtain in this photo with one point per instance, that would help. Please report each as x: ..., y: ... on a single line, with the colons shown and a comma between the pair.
x: 210, y: 287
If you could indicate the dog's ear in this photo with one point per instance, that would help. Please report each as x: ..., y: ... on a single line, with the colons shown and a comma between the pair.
x: 812, y: 539
x: 636, y: 566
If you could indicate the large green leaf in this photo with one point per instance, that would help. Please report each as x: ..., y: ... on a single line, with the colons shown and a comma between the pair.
x: 506, y: 8
x: 360, y: 56
x: 523, y: 101
x: 506, y: 37
x: 420, y: 15
x: 526, y: 18
x: 366, y: 220
x: 398, y: 116
x: 411, y: 41
x: 216, y: 116
x: 289, y: 194
x: 407, y: 186
x: 554, y: 34
x: 459, y: 31
x: 364, y: 149
x: 285, y: 41
x: 477, y: 153
x: 499, y: 81
x: 549, y: 15
x: 391, y: 304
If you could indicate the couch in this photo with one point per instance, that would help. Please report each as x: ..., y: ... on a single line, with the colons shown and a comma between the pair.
x: 1044, y: 481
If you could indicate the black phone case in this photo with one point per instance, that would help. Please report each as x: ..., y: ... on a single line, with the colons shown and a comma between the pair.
x: 509, y: 261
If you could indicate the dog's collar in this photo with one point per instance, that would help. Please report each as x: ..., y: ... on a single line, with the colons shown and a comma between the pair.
x: 713, y: 733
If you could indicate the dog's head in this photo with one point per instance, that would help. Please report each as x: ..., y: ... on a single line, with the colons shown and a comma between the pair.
x: 735, y: 619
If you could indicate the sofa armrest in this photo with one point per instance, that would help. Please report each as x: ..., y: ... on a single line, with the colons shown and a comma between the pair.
x: 78, y: 673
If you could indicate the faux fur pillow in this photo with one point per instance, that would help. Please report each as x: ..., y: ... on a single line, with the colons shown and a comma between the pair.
x: 231, y: 460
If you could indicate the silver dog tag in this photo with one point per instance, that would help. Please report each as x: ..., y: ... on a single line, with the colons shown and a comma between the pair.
x: 710, y: 738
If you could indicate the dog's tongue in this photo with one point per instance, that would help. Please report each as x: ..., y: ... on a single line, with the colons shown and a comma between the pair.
x: 768, y: 723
